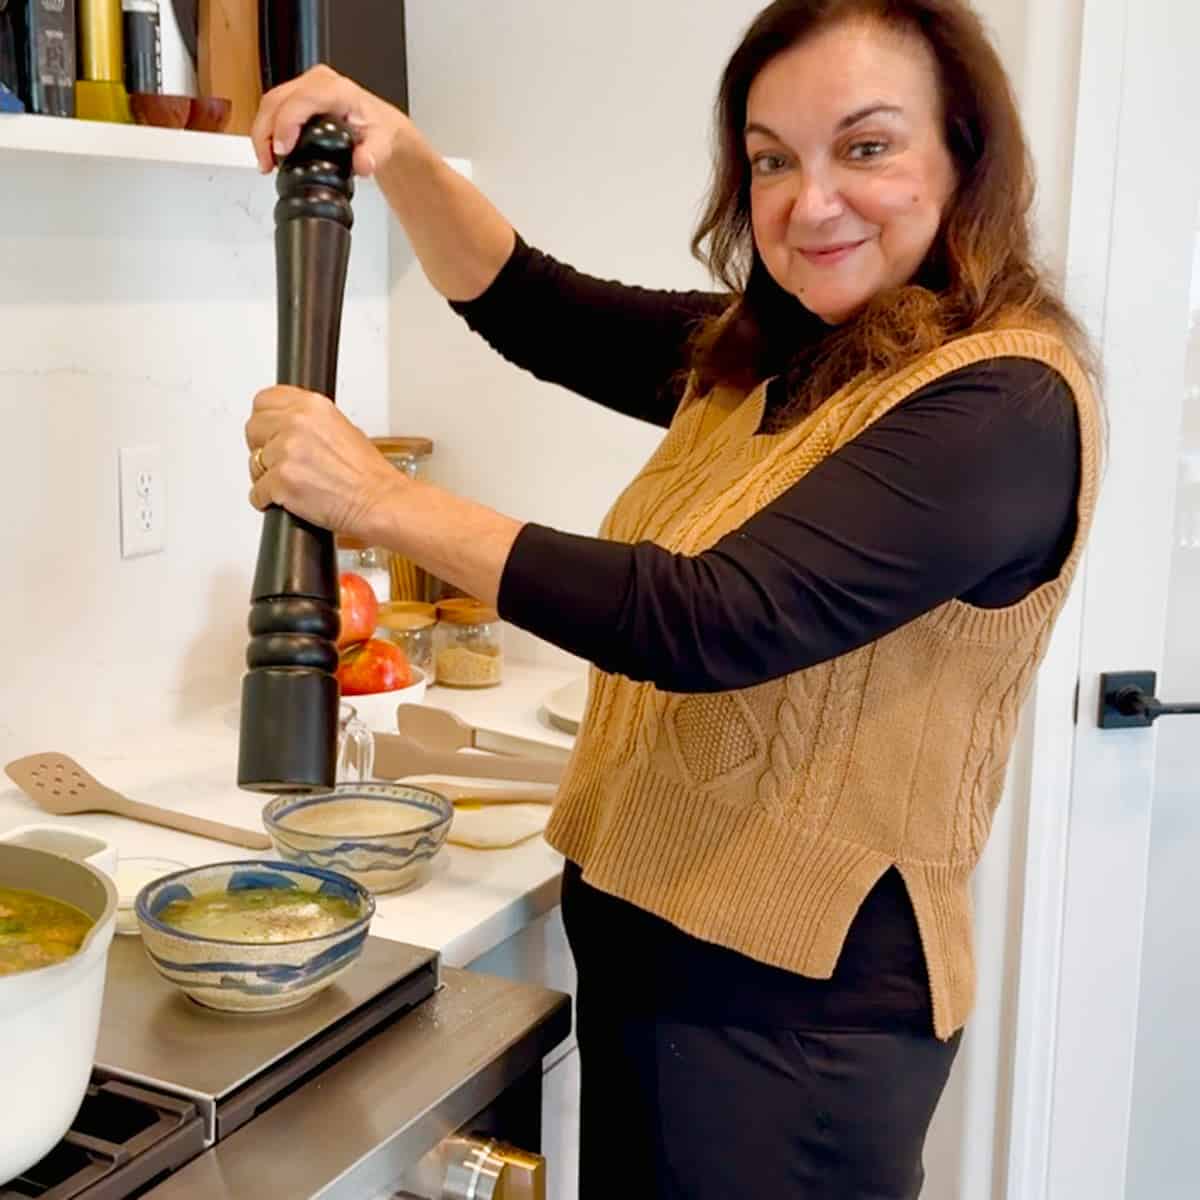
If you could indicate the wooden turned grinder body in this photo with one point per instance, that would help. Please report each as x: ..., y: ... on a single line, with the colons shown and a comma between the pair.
x: 288, y: 737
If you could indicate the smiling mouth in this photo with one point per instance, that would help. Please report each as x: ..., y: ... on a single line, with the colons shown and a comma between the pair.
x: 827, y: 255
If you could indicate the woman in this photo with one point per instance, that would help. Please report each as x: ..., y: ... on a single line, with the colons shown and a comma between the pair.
x: 813, y: 616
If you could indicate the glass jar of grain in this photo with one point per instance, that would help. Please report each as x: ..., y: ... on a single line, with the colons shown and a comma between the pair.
x: 410, y: 624
x: 468, y: 649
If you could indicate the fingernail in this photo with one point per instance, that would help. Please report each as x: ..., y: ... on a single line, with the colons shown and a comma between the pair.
x: 369, y: 162
x: 279, y: 147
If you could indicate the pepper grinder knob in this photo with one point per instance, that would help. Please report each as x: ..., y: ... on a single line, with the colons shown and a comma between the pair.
x: 288, y: 736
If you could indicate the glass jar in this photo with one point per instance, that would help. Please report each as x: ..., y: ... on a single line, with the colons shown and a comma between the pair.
x: 410, y: 625
x: 356, y: 747
x: 408, y: 581
x: 371, y: 562
x: 469, y: 651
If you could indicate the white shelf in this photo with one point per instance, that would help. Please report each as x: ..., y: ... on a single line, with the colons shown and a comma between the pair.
x: 129, y: 143
x: 26, y: 134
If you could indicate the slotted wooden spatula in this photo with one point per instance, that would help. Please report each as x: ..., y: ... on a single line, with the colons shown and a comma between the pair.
x: 60, y: 785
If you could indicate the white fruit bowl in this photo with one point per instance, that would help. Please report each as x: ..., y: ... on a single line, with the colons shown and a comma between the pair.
x: 377, y: 711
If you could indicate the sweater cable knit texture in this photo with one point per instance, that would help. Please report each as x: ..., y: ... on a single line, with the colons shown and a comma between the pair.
x: 760, y: 819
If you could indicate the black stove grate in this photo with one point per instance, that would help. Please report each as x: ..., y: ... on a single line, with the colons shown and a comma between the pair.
x: 123, y: 1139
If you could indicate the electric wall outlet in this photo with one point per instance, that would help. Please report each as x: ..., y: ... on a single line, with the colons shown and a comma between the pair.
x: 143, y: 501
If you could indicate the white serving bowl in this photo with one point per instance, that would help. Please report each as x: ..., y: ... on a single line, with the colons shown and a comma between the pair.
x: 377, y: 710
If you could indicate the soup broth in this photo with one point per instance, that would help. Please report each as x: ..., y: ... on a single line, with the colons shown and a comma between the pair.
x: 260, y: 915
x: 36, y: 931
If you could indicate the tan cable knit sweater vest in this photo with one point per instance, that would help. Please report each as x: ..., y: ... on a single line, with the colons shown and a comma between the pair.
x: 760, y: 819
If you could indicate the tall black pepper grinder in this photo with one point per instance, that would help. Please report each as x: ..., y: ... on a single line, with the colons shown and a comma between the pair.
x: 288, y: 739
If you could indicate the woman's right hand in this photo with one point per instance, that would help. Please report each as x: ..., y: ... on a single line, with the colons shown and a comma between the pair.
x: 460, y: 238
x: 380, y: 127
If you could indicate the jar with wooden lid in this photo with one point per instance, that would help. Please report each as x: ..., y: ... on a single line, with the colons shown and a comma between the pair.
x: 469, y: 651
x: 408, y: 581
x: 410, y: 625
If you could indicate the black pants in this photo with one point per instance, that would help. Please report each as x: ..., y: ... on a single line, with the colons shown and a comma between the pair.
x: 679, y: 1106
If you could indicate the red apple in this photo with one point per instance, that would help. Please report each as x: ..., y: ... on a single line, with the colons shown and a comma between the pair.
x: 373, y: 666
x: 360, y: 609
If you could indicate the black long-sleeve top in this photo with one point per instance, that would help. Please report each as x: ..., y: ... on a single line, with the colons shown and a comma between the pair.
x: 967, y: 490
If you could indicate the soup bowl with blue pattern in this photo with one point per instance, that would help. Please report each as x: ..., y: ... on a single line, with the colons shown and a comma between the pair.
x: 383, y: 835
x: 259, y: 975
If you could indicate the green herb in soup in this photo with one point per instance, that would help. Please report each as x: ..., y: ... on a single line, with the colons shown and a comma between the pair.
x: 260, y: 915
x: 36, y: 930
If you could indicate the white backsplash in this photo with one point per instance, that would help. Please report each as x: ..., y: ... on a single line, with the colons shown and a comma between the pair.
x: 137, y: 305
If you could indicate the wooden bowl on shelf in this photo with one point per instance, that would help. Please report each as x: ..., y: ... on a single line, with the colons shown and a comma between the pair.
x: 210, y: 114
x: 167, y: 112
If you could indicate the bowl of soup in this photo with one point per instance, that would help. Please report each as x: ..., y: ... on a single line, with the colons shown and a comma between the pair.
x: 253, y: 936
x: 56, y: 924
x: 383, y: 835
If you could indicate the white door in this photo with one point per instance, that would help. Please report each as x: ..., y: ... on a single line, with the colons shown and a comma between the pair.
x: 1106, y: 1069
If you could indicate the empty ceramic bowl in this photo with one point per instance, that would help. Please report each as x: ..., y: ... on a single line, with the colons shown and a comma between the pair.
x: 167, y: 112
x: 234, y: 973
x: 384, y: 835
x: 209, y: 114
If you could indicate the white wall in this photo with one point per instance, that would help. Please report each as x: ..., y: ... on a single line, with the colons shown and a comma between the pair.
x: 137, y: 305
x: 588, y: 125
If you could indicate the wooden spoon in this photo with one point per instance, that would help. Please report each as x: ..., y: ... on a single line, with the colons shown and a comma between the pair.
x: 475, y: 795
x: 439, y: 729
x: 60, y: 785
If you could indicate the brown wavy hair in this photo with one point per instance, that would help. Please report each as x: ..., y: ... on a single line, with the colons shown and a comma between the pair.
x: 980, y: 270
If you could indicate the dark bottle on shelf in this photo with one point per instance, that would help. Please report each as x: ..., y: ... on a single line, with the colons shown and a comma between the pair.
x: 293, y: 36
x: 45, y: 37
x: 143, y: 46
x: 363, y: 39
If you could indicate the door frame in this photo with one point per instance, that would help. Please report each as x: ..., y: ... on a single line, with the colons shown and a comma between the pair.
x: 1087, y: 840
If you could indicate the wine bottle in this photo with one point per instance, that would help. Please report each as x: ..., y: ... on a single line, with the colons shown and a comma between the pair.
x: 293, y: 36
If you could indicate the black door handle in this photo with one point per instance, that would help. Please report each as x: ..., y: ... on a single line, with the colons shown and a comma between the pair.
x: 1127, y: 701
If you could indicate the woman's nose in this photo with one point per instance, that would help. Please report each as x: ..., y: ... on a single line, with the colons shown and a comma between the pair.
x: 816, y: 200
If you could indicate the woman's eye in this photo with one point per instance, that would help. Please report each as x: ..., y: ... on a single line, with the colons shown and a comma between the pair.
x: 767, y: 164
x: 867, y: 150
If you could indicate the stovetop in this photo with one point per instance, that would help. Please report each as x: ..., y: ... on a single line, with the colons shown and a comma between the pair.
x: 172, y: 1077
x: 232, y: 1064
x: 123, y: 1139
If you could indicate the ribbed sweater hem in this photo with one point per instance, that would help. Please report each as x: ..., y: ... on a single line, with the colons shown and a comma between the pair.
x: 745, y: 881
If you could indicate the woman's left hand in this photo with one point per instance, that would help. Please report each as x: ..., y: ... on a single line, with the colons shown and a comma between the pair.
x: 307, y: 457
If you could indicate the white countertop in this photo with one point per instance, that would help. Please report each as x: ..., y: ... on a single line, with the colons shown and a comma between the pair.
x: 474, y: 899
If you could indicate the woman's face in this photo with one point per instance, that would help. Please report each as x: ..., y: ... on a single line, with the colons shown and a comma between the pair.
x: 849, y: 170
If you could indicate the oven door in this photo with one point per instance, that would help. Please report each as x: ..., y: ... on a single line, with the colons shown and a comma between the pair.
x: 428, y: 1105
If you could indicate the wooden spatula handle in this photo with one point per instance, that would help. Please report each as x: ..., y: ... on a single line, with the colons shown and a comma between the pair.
x: 186, y: 823
x: 396, y: 757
